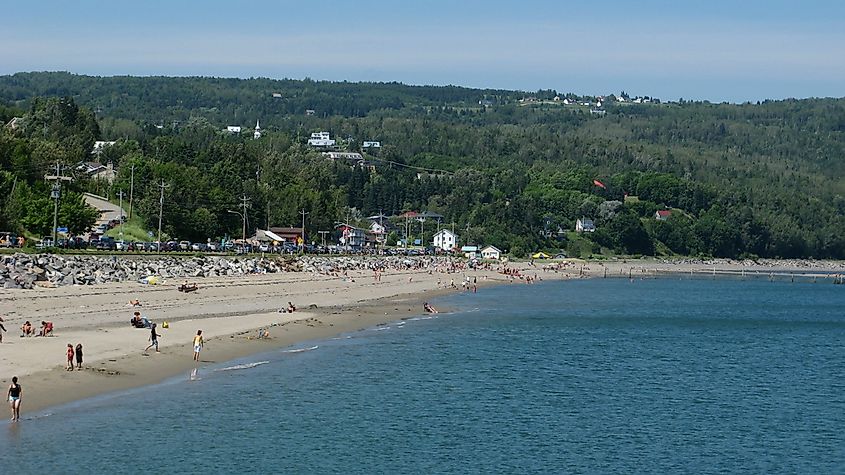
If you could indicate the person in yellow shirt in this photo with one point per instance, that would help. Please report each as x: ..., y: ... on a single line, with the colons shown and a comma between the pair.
x: 198, y: 343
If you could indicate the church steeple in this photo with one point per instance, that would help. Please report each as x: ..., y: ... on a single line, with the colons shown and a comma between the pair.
x: 257, y: 133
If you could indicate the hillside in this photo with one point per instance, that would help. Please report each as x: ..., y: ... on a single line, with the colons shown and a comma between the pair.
x: 752, y: 179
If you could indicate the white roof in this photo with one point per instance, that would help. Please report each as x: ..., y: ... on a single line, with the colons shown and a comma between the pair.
x: 491, y: 248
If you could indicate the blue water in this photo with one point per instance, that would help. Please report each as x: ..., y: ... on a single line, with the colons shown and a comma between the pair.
x: 595, y: 376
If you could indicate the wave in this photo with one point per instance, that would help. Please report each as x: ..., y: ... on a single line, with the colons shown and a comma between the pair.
x: 243, y: 366
x: 421, y: 318
x: 300, y: 350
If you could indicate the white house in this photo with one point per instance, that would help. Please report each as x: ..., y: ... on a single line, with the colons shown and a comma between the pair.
x: 371, y: 144
x: 445, y: 240
x: 585, y: 225
x: 101, y: 145
x: 321, y: 139
x: 491, y: 252
x: 351, y: 156
x: 233, y: 129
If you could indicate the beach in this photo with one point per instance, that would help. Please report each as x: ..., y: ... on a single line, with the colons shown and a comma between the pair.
x: 231, y: 310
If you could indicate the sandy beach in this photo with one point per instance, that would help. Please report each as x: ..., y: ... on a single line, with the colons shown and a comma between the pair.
x: 230, y: 311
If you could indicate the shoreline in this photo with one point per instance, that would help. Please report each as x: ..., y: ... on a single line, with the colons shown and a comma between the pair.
x: 114, y: 357
x: 231, y: 310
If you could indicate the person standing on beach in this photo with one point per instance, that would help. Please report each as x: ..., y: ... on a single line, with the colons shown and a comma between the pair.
x: 79, y: 356
x: 198, y: 344
x: 70, y: 355
x: 153, y: 338
x: 15, y: 393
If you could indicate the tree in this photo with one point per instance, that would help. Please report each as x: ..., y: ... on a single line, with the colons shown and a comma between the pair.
x: 75, y: 214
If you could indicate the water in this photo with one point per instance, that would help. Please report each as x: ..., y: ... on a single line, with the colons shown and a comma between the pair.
x: 598, y: 376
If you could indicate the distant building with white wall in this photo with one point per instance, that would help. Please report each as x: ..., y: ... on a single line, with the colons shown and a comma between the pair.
x: 445, y: 240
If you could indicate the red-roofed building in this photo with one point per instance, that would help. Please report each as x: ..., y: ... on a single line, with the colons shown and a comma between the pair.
x: 663, y: 214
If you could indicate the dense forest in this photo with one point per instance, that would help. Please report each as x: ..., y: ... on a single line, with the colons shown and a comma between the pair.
x: 761, y: 179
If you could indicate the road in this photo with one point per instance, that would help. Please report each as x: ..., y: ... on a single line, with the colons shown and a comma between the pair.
x: 108, y: 210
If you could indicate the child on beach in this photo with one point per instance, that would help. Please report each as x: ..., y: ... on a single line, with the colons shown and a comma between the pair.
x: 79, y: 356
x: 70, y: 354
x: 2, y: 329
x: 153, y: 338
x: 198, y: 343
x: 14, y: 398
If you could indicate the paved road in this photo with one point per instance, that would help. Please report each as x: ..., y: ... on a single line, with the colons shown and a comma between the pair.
x: 108, y: 211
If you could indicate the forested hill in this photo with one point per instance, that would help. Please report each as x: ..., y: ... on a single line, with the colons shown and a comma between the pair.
x: 753, y: 179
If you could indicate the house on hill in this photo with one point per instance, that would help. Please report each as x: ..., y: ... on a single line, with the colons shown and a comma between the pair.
x: 491, y: 252
x: 585, y: 225
x: 321, y: 139
x: 445, y: 240
x: 663, y: 214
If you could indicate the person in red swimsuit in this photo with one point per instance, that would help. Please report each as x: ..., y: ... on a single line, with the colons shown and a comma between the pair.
x: 70, y: 354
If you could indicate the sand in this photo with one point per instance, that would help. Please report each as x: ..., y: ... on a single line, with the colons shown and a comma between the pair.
x: 230, y: 310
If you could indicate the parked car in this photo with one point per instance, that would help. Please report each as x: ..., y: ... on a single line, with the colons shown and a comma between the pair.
x: 44, y: 242
x: 184, y: 245
x: 106, y: 244
x: 213, y: 246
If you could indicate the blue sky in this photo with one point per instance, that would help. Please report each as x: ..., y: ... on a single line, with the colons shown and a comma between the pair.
x: 716, y: 50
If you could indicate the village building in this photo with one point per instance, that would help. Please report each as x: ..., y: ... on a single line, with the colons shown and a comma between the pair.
x: 257, y: 134
x: 470, y: 252
x: 233, y: 129
x: 445, y: 240
x: 290, y: 234
x: 352, y: 237
x: 585, y: 225
x: 321, y: 139
x: 371, y: 144
x: 491, y: 252
x: 663, y: 214
x: 15, y: 123
x: 351, y: 156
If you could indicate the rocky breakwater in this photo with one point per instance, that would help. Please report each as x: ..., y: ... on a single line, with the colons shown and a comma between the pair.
x: 24, y: 271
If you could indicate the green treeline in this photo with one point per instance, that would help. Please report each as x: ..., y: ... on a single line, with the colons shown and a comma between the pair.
x: 741, y: 180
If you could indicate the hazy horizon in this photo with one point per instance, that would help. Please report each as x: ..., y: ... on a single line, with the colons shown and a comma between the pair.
x: 718, y: 52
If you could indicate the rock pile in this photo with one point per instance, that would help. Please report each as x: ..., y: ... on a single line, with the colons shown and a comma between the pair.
x: 25, y: 271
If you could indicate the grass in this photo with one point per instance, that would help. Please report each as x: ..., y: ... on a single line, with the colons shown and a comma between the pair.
x: 133, y: 230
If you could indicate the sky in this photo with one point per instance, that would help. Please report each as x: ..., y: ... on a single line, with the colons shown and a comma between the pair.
x: 717, y: 50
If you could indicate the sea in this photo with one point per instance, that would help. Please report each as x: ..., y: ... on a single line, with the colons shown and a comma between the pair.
x: 667, y: 375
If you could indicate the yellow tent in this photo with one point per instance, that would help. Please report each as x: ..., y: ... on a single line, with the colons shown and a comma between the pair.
x: 540, y: 255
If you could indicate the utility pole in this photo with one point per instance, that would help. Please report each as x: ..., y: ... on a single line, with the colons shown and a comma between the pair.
x: 160, y: 210
x: 244, y: 204
x: 131, y: 188
x: 55, y: 193
x: 323, y: 235
x: 303, y: 213
x: 120, y: 208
